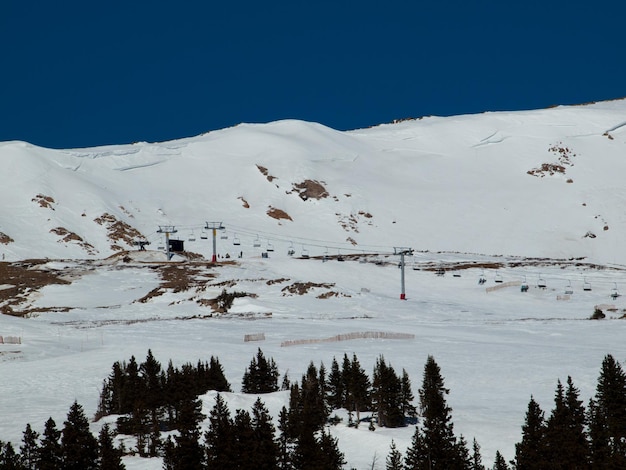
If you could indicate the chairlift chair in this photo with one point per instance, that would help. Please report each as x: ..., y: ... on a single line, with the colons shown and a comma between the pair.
x: 305, y: 253
x: 224, y: 236
x: 586, y: 286
x: 482, y: 279
x: 257, y: 242
x: 541, y: 282
x: 524, y: 286
x: 204, y: 235
x: 192, y: 237
x: 236, y: 240
x: 568, y: 289
x: 269, y: 247
x: 614, y: 292
x: 498, y: 279
x: 340, y: 256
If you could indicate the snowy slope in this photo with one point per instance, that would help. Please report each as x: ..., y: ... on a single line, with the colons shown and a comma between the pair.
x: 458, y: 183
x: 456, y: 189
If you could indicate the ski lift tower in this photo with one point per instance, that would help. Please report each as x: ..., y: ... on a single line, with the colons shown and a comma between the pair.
x: 402, y: 251
x: 167, y: 229
x: 214, y: 227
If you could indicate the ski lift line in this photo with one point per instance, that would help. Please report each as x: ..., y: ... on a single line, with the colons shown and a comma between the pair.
x: 309, y: 241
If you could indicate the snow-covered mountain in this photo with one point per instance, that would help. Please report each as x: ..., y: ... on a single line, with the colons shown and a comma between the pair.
x: 545, y: 183
x: 516, y: 198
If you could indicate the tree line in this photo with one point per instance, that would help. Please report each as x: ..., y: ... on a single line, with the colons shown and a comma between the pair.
x: 150, y: 400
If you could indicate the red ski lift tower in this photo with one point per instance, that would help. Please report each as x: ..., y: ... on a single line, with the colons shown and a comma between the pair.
x: 167, y: 229
x: 214, y: 227
x: 402, y: 251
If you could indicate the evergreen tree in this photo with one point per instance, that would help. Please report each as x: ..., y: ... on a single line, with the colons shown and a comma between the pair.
x: 357, y: 386
x: 261, y: 376
x: 189, y: 452
x: 330, y: 457
x: 530, y: 454
x: 169, y: 454
x: 110, y: 456
x: 265, y: 448
x: 313, y: 412
x: 79, y: 447
x: 216, y: 378
x: 219, y: 437
x: 29, y: 450
x: 566, y: 442
x: 599, y: 438
x: 152, y: 390
x: 284, y: 442
x: 477, y: 460
x: 435, y: 446
x: 406, y: 393
x: 50, y: 451
x: 577, y: 439
x: 387, y: 395
x: 243, y: 441
x: 336, y: 390
x: 394, y: 459
x: 131, y: 386
x: 286, y: 383
x: 9, y: 459
x: 500, y: 463
x: 610, y: 412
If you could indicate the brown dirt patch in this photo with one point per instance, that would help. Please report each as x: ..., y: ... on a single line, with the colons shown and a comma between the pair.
x: 244, y: 202
x: 118, y: 231
x: 178, y: 278
x: 24, y: 277
x: 310, y: 189
x: 301, y: 288
x: 71, y: 237
x: 44, y: 201
x: 278, y: 214
x: 5, y: 239
x: 265, y: 173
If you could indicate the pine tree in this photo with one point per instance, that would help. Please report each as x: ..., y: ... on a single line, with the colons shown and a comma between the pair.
x: 500, y: 463
x: 577, y: 438
x: 387, y: 395
x: 243, y: 441
x: 439, y: 437
x: 152, y: 389
x: 329, y: 455
x: 261, y: 376
x: 265, y: 448
x: 189, y: 452
x: 216, y: 378
x: 313, y: 410
x: 9, y: 459
x: 357, y: 386
x: 110, y: 456
x: 284, y: 442
x: 599, y: 438
x: 394, y: 459
x: 610, y: 411
x: 50, y: 451
x: 530, y: 453
x: 219, y: 437
x: 29, y: 450
x: 406, y: 392
x: 336, y: 390
x: 79, y: 447
x: 477, y: 460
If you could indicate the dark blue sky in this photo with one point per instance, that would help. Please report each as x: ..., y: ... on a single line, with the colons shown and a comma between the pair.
x: 86, y: 73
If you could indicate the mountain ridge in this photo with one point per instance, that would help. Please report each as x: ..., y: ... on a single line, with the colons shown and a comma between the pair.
x: 529, y: 183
